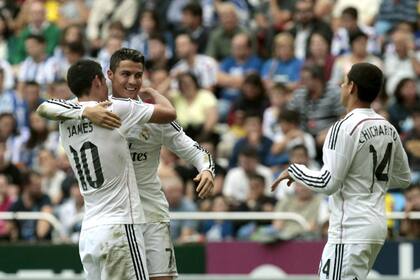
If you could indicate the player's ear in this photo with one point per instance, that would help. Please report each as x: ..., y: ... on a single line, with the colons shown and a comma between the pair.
x: 110, y: 74
x: 97, y: 81
x: 352, y: 87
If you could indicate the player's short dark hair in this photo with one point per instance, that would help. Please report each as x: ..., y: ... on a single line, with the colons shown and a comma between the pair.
x: 37, y: 37
x: 289, y: 116
x: 368, y: 79
x: 350, y: 11
x: 194, y: 8
x: 81, y: 74
x: 125, y: 54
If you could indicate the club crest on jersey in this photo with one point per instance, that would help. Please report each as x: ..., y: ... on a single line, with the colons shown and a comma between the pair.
x: 145, y: 134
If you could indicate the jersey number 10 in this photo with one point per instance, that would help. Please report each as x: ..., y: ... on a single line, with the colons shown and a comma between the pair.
x: 83, y: 171
x: 378, y: 171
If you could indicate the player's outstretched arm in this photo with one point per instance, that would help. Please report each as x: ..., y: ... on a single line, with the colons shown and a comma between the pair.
x: 58, y: 109
x: 283, y: 176
x: 65, y: 110
x: 163, y: 112
x: 339, y: 150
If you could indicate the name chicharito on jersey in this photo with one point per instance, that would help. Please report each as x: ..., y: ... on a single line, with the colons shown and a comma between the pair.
x: 377, y: 130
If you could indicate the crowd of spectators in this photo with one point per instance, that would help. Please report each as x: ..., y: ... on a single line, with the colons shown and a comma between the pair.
x: 256, y: 83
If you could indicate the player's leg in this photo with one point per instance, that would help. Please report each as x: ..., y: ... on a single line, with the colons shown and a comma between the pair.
x: 87, y: 252
x: 160, y: 253
x: 331, y: 261
x: 375, y: 249
x: 121, y: 253
x: 358, y: 260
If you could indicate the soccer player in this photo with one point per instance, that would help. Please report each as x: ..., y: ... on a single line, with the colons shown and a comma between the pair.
x: 145, y: 142
x: 111, y: 242
x: 363, y: 157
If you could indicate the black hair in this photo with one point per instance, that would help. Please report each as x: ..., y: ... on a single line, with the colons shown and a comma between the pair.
x: 316, y: 72
x: 15, y: 129
x: 415, y: 109
x: 32, y: 83
x: 299, y: 147
x: 194, y: 8
x: 325, y: 35
x: 351, y: 11
x: 368, y: 78
x: 125, y: 54
x: 155, y: 18
x: 280, y: 87
x: 67, y: 28
x: 249, y: 151
x: 158, y: 37
x: 37, y: 37
x: 398, y: 88
x: 290, y: 116
x: 190, y: 37
x: 252, y: 114
x: 81, y: 74
x: 191, y: 75
x: 255, y: 80
x: 7, y: 30
x: 353, y: 36
x: 76, y: 47
x: 258, y: 177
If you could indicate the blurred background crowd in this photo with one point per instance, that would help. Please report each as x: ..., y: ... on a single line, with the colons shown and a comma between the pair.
x: 256, y: 83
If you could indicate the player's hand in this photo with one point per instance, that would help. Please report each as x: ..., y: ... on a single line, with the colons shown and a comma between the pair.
x: 283, y: 176
x: 99, y: 115
x: 205, y: 183
x: 148, y: 93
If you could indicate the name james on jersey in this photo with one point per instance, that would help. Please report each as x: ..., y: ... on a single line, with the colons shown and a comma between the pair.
x: 80, y: 128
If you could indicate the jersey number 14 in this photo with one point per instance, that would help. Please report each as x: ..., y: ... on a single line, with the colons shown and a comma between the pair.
x: 82, y: 167
x: 378, y: 170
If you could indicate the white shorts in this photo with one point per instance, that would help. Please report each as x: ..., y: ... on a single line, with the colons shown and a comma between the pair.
x: 160, y: 252
x: 347, y: 261
x: 113, y: 252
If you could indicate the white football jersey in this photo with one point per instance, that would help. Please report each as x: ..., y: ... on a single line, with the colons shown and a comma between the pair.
x: 102, y: 164
x: 145, y: 142
x: 363, y: 157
